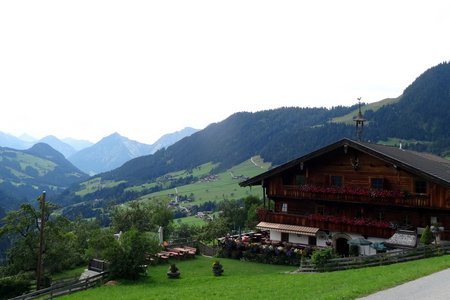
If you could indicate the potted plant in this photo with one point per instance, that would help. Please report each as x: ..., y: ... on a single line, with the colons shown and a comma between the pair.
x: 173, y: 272
x: 217, y: 268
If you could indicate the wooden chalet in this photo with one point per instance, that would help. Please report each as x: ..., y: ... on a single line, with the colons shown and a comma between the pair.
x: 353, y: 190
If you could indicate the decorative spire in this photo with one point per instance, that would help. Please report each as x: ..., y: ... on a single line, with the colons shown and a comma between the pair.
x: 359, y: 122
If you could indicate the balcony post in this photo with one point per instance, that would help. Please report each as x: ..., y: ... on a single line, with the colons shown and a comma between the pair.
x: 264, y: 193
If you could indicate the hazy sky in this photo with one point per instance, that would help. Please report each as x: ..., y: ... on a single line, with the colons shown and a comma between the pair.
x: 86, y: 69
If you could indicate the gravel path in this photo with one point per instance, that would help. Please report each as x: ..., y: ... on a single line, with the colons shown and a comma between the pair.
x: 432, y: 287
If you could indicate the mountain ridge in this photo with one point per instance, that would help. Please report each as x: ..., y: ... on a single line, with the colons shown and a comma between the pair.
x: 26, y: 173
x: 282, y: 134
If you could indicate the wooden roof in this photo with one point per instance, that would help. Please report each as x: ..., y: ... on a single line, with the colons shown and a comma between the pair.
x: 425, y: 165
x: 311, y: 231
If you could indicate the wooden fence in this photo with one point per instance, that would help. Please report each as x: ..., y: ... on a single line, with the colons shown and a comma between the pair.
x: 337, y: 264
x: 208, y: 250
x: 64, y: 288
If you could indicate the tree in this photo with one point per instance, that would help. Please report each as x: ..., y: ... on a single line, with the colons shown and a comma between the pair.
x: 251, y: 204
x: 22, y: 228
x: 185, y: 231
x: 100, y: 244
x: 214, y: 229
x: 127, y: 256
x: 234, y: 214
x: 240, y: 214
x: 143, y: 216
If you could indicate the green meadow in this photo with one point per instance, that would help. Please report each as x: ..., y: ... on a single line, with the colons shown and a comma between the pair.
x: 225, y: 185
x: 245, y: 280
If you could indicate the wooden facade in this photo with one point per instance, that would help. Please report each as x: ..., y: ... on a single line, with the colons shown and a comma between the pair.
x: 360, y: 189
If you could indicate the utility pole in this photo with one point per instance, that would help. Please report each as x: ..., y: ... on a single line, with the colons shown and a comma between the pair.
x: 40, y: 264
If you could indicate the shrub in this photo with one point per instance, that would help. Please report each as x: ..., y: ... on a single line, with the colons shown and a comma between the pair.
x: 321, y: 256
x: 427, y: 236
x: 354, y: 250
x: 11, y: 286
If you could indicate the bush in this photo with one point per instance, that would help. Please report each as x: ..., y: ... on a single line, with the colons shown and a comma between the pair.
x: 354, y: 250
x: 321, y: 256
x: 427, y: 236
x: 12, y: 286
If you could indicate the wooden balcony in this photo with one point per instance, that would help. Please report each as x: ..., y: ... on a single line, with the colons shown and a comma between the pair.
x: 296, y: 192
x: 301, y: 220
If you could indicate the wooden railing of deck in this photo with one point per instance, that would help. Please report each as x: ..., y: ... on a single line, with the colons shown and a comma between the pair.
x: 302, y: 220
x: 295, y: 192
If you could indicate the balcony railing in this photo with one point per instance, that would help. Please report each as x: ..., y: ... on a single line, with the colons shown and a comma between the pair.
x: 383, y: 197
x: 358, y: 226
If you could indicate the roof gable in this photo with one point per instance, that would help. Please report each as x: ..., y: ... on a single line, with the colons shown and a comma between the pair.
x: 426, y: 165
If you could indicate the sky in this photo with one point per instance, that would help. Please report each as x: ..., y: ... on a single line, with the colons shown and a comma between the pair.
x: 87, y: 69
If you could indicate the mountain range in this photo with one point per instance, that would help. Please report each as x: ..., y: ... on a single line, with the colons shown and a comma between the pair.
x: 114, y: 150
x: 25, y: 173
x: 67, y: 146
x: 107, y: 154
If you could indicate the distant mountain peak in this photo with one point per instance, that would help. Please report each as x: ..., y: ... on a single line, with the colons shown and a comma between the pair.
x: 114, y: 150
x: 44, y: 150
x: 59, y: 145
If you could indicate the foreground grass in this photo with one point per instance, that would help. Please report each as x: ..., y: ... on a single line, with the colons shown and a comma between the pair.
x: 244, y: 280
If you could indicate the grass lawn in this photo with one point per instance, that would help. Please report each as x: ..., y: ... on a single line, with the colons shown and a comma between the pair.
x: 245, y: 280
x: 192, y: 220
x: 74, y: 273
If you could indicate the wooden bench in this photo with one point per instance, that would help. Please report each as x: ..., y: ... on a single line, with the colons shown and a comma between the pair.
x: 98, y: 265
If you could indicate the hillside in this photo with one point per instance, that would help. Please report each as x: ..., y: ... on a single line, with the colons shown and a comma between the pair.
x: 421, y: 114
x: 278, y: 135
x: 189, y: 191
x: 372, y: 107
x: 26, y: 173
x: 225, y: 144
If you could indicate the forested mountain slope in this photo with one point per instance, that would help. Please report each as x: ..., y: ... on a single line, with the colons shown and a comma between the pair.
x: 422, y: 114
x: 24, y: 174
x: 419, y: 118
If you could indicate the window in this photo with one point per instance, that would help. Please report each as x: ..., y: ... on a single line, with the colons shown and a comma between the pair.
x: 284, y: 207
x: 300, y: 179
x: 312, y: 241
x: 287, y: 179
x: 336, y: 181
x: 285, y: 237
x: 376, y: 183
x: 420, y: 187
x: 320, y: 210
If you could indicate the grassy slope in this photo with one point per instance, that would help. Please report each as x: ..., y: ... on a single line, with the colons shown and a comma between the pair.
x: 244, y: 280
x: 192, y: 220
x: 348, y: 118
x: 224, y: 188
